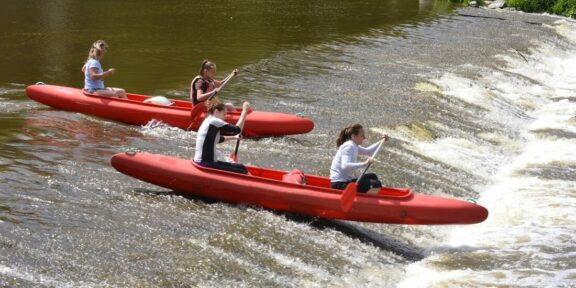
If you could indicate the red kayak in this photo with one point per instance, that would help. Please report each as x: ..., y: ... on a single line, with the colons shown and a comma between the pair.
x: 266, y: 188
x: 180, y: 114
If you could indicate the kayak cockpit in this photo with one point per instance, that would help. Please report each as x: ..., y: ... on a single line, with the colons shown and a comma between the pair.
x: 137, y: 98
x: 318, y: 183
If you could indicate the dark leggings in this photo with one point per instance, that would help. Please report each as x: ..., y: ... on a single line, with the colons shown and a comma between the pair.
x: 227, y: 166
x: 368, y: 181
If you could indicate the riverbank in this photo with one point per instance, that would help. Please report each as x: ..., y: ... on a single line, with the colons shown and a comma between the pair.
x: 560, y: 7
x: 565, y: 8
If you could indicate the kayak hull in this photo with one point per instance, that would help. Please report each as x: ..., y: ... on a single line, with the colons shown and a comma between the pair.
x: 264, y: 187
x: 134, y: 111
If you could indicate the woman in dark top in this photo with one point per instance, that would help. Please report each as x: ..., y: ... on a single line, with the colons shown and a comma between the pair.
x: 205, y: 85
x: 215, y: 130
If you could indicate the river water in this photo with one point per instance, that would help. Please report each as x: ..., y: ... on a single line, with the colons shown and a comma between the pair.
x: 480, y: 104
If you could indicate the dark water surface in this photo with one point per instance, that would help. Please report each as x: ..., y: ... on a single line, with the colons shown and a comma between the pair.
x: 160, y: 44
x: 480, y: 104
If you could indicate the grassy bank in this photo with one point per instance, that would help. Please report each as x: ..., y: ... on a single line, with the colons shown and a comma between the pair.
x: 560, y: 7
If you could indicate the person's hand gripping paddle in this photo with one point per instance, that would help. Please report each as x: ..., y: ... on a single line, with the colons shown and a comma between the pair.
x: 240, y: 123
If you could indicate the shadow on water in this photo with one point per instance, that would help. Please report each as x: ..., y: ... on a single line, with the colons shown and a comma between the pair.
x: 382, y: 241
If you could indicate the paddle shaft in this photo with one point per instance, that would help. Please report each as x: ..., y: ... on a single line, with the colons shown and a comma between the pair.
x: 241, y: 121
x: 234, y: 155
x: 237, y: 145
x: 368, y: 166
x: 224, y: 82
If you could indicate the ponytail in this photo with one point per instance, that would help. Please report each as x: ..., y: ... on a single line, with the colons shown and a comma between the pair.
x: 205, y: 66
x: 346, y: 134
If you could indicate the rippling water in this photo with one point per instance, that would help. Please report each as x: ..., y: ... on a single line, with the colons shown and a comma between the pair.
x: 480, y: 104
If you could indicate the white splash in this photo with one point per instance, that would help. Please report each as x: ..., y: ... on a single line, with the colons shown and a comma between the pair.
x: 531, y: 195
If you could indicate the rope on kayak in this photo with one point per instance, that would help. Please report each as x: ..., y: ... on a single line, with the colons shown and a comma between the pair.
x: 131, y: 151
x: 40, y: 83
x: 300, y: 114
x: 472, y: 200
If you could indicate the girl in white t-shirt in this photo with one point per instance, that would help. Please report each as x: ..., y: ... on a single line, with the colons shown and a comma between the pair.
x: 346, y: 160
x: 94, y: 75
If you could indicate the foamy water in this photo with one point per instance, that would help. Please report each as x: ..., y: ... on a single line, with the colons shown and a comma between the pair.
x: 528, y: 239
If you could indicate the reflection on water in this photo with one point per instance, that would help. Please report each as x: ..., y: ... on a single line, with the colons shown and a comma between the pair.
x: 159, y: 45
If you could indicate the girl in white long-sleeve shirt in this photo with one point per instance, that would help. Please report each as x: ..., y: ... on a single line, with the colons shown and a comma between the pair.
x: 346, y: 160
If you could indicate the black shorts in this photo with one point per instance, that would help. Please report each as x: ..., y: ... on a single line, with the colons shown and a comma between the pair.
x: 368, y: 181
x: 226, y: 166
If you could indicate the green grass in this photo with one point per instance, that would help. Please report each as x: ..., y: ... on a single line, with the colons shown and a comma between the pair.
x: 532, y: 6
x: 561, y: 7
x: 565, y: 7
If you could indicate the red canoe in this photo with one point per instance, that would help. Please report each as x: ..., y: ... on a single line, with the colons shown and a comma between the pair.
x: 135, y: 112
x: 264, y: 187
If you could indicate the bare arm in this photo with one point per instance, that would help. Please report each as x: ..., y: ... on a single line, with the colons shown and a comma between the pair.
x: 218, y: 83
x: 228, y: 138
x: 94, y: 75
x: 201, y: 96
x: 242, y: 119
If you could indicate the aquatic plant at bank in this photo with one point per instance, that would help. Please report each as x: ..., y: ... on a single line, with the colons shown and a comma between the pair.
x: 565, y: 7
x: 561, y: 7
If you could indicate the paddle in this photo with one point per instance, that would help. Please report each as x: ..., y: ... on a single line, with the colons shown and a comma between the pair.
x: 234, y: 155
x: 240, y: 123
x: 373, y: 156
x: 347, y: 197
x: 224, y: 82
x: 201, y: 107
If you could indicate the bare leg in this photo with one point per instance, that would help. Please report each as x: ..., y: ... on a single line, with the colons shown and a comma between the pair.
x: 118, y: 92
x: 373, y: 191
x: 105, y: 93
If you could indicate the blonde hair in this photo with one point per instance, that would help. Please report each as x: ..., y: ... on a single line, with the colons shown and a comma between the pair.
x: 206, y: 65
x: 96, y: 50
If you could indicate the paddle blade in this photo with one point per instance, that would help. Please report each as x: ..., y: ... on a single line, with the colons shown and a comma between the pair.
x: 234, y: 157
x: 347, y: 197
